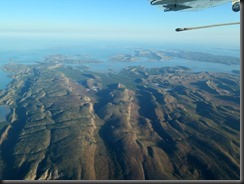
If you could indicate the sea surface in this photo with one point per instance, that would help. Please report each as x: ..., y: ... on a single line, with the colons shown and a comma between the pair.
x: 30, y: 51
x: 4, y: 111
x: 4, y: 79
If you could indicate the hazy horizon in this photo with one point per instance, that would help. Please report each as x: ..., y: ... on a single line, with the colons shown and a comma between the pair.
x: 126, y: 20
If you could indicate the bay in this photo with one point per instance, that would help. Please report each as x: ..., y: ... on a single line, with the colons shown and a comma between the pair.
x: 4, y: 111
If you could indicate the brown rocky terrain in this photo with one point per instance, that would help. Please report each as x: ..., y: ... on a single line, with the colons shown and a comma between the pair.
x: 139, y: 124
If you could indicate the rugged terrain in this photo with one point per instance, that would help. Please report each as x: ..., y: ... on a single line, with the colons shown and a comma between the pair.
x: 153, y: 124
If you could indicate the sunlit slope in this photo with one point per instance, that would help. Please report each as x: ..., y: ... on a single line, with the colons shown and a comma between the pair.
x: 166, y: 123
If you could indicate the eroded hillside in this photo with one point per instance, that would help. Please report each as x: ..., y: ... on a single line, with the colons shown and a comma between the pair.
x: 153, y: 124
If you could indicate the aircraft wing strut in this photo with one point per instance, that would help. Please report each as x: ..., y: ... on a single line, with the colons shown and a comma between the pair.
x: 208, y: 26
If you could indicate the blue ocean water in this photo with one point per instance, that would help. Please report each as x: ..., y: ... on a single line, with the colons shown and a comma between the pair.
x: 4, y: 79
x: 30, y: 51
x: 4, y: 111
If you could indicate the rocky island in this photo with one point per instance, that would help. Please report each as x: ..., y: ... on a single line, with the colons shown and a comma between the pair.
x: 139, y: 124
x: 164, y: 55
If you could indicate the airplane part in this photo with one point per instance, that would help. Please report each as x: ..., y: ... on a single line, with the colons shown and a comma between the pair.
x: 175, y: 7
x: 208, y: 26
x: 193, y: 5
x: 236, y: 5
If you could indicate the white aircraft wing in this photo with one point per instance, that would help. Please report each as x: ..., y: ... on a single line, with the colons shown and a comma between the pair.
x: 187, y: 5
x: 194, y: 5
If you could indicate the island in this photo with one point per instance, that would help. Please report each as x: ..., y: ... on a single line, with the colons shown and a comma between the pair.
x: 168, y: 123
x: 165, y: 55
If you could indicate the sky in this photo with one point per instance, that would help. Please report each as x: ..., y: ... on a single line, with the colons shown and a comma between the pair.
x: 135, y: 20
